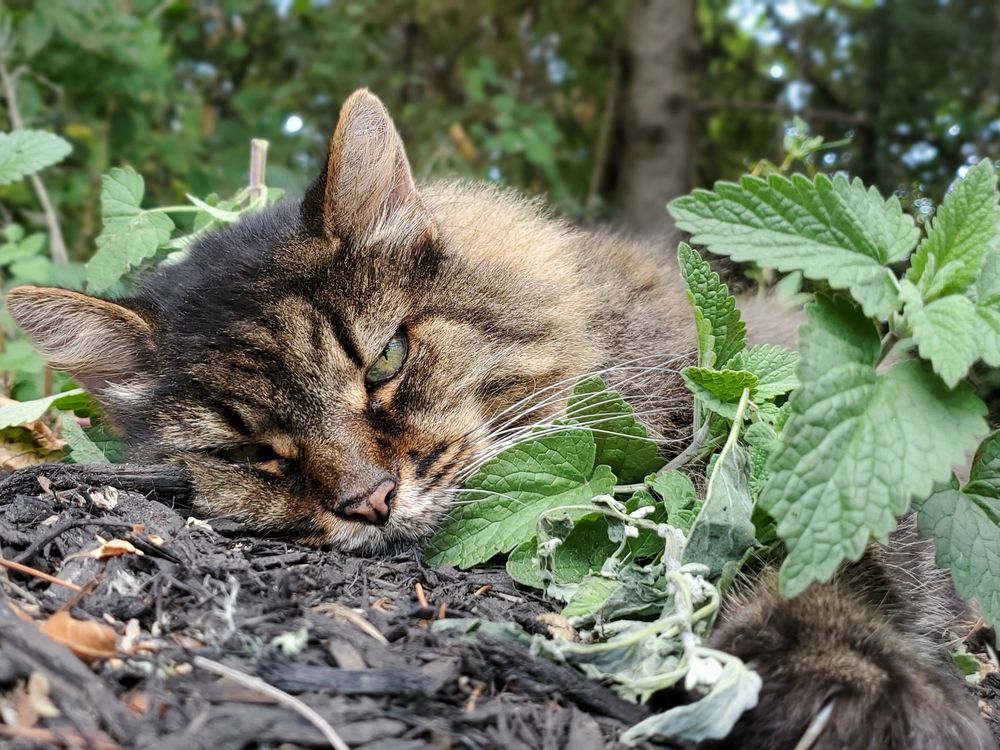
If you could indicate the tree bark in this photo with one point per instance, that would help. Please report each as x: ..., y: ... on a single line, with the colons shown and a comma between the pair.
x: 656, y: 112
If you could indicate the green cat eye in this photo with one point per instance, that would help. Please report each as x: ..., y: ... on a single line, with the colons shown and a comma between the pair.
x: 389, y: 361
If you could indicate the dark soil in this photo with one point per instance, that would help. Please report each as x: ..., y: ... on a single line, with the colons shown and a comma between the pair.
x: 371, y: 666
x: 380, y: 677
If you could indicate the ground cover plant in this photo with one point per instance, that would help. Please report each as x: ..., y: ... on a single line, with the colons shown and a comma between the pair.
x: 804, y: 455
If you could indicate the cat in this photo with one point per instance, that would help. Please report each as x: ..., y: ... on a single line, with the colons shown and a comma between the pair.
x: 331, y: 368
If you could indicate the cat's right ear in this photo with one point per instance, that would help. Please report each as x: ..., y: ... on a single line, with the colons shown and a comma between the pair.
x: 96, y: 341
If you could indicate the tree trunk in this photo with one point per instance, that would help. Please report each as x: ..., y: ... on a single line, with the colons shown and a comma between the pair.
x: 656, y: 112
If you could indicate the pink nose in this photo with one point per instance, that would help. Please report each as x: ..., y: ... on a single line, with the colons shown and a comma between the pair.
x: 375, y: 507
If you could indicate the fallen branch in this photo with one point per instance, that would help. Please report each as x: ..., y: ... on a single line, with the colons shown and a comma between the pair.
x: 168, y: 483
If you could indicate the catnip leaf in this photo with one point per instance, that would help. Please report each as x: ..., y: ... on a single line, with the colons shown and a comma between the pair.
x: 965, y: 525
x: 14, y: 414
x: 723, y: 531
x: 774, y: 367
x: 584, y: 550
x: 502, y: 501
x: 947, y: 332
x: 621, y: 442
x: 828, y: 229
x: 590, y: 595
x: 965, y: 228
x: 857, y: 444
x: 677, y: 494
x: 82, y: 449
x: 24, y: 152
x: 130, y: 235
x: 719, y: 390
x: 721, y: 331
x: 711, y: 717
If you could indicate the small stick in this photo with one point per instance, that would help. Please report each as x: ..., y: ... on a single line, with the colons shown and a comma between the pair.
x: 258, y: 163
x: 482, y: 589
x: 67, y: 738
x: 255, y: 683
x: 28, y: 570
x: 62, y: 528
x: 341, y: 612
x: 419, y: 591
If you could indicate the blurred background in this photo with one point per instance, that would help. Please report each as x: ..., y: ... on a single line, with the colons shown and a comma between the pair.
x: 611, y: 108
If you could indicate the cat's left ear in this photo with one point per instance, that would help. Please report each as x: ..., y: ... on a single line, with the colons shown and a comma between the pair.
x: 367, y: 188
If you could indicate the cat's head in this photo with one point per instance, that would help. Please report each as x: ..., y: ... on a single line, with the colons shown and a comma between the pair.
x: 329, y: 368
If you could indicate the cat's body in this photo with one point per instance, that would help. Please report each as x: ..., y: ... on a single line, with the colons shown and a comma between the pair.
x: 331, y: 370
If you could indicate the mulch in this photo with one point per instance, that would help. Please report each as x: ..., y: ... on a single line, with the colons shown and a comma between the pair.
x: 202, y: 595
x: 349, y: 638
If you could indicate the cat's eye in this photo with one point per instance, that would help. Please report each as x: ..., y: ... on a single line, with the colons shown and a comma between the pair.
x: 258, y: 454
x: 389, y: 361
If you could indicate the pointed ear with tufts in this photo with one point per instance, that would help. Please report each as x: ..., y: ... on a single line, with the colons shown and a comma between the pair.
x: 98, y: 342
x: 367, y: 188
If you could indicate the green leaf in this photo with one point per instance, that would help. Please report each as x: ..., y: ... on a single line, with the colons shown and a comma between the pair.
x: 948, y: 333
x: 965, y: 525
x: 24, y: 152
x: 829, y: 229
x: 12, y: 415
x: 965, y: 228
x: 500, y: 507
x: 592, y: 592
x: 82, y: 448
x: 621, y: 442
x: 721, y: 331
x: 130, y: 235
x: 723, y: 531
x: 719, y: 390
x: 583, y: 551
x: 676, y: 492
x: 857, y: 444
x: 774, y: 367
x: 712, y: 717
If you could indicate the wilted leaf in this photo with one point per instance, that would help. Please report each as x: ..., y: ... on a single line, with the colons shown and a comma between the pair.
x: 89, y: 640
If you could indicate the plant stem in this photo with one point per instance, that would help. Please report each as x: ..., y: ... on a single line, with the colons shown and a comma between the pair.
x: 258, y: 163
x: 57, y: 245
x: 682, y: 458
x: 734, y: 435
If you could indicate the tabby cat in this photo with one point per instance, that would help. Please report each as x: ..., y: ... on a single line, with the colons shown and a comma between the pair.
x: 332, y: 368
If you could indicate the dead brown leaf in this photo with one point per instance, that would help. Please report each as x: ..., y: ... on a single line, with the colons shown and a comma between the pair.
x: 87, y: 639
x: 115, y: 548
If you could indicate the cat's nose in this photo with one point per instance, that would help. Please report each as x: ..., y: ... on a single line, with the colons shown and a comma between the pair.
x: 374, y: 507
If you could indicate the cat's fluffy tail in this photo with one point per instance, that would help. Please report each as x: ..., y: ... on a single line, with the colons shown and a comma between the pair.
x: 845, y: 661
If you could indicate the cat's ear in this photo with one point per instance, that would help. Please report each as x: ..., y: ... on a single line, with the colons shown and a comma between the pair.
x: 367, y: 187
x: 96, y: 341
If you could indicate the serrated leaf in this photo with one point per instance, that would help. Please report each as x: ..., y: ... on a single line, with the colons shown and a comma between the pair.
x: 130, y: 235
x: 858, y: 445
x: 719, y: 390
x: 828, y: 229
x: 621, y: 442
x: 12, y: 415
x: 721, y: 331
x: 965, y: 525
x: 500, y: 507
x: 947, y: 332
x: 965, y: 228
x: 82, y: 448
x: 24, y: 152
x: 773, y: 366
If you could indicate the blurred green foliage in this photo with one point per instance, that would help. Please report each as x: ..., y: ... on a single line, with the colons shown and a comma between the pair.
x: 525, y: 93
